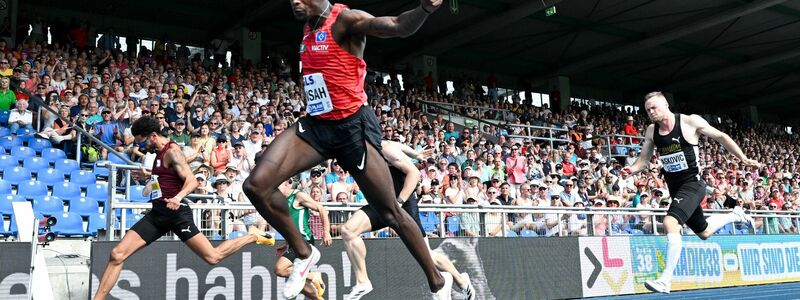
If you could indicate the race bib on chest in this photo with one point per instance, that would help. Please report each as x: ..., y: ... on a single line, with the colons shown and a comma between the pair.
x: 675, y: 162
x: 317, y: 95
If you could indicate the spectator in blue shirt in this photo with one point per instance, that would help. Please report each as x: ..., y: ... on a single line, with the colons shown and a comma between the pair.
x: 108, y: 131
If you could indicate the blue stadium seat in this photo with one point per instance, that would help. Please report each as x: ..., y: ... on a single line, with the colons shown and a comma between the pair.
x: 82, y: 178
x: 236, y: 234
x: 384, y: 233
x: 116, y: 160
x: 70, y: 225
x: 8, y: 161
x: 25, y: 134
x: 727, y: 229
x: 50, y: 176
x: 636, y: 231
x: 5, y: 131
x: 35, y: 164
x: 9, y: 142
x: 53, y: 154
x: 131, y: 219
x: 12, y: 228
x: 136, y: 194
x: 6, y: 207
x: 67, y: 165
x: 67, y: 191
x: 16, y: 175
x: 31, y: 189
x: 99, y: 171
x: 97, y: 222
x: 97, y: 191
x: 5, y: 187
x: 453, y: 224
x: 527, y: 233
x: 84, y: 207
x: 4, y: 114
x: 22, y: 152
x: 2, y: 150
x: 743, y: 231
x: 277, y: 235
x: 39, y: 145
x: 48, y: 206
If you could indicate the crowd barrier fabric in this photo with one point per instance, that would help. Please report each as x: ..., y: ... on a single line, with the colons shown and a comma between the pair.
x: 15, y: 267
x: 500, y: 268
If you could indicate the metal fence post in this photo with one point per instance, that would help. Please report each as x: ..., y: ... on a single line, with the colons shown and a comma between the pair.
x: 109, y: 206
x: 442, y: 229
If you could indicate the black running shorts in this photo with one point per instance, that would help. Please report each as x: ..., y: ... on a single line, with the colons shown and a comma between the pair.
x: 685, y: 206
x: 160, y: 220
x: 410, y: 206
x: 291, y: 255
x: 345, y: 139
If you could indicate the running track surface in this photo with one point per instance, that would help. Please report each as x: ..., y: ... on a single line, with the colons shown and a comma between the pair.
x: 766, y: 292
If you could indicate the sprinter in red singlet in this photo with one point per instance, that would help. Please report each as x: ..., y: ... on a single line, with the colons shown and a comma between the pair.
x: 339, y: 125
x: 170, y: 211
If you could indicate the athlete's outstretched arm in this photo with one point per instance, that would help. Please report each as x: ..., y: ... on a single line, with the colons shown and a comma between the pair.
x: 306, y: 201
x: 395, y: 156
x: 706, y: 129
x: 404, y: 25
x: 647, y: 152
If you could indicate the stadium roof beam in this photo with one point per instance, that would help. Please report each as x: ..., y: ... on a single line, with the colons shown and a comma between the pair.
x: 665, y: 37
x: 732, y: 70
x: 479, y: 29
x: 774, y: 97
x: 247, y: 18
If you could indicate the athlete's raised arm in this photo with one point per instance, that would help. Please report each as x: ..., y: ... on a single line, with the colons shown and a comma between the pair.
x: 706, y: 129
x: 362, y: 23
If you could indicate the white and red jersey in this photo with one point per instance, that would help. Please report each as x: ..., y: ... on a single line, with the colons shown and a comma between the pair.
x: 341, y: 92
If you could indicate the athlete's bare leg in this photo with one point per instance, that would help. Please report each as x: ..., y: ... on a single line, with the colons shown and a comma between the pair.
x: 129, y: 244
x: 213, y: 255
x: 444, y: 264
x: 286, y: 156
x: 373, y: 183
x: 283, y: 268
x: 354, y: 245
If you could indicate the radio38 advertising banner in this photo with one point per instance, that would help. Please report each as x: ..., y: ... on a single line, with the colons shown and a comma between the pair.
x: 620, y: 265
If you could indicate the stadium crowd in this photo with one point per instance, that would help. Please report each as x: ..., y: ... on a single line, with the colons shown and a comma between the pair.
x: 224, y: 116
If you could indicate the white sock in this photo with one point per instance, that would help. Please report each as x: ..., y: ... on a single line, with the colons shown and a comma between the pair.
x: 674, y: 247
x: 716, y: 222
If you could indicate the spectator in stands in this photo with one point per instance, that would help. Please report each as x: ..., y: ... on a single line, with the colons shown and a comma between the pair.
x: 20, y: 117
x: 220, y: 155
x: 7, y: 97
x: 470, y: 221
x: 180, y: 135
x: 515, y: 168
x: 107, y: 130
x: 241, y: 160
x: 58, y: 131
x: 253, y: 145
x: 5, y: 67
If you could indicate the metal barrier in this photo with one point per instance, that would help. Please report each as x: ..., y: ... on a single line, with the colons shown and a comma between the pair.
x: 42, y: 104
x: 112, y: 196
x: 561, y: 220
x: 533, y: 133
x: 627, y: 142
x: 454, y: 108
